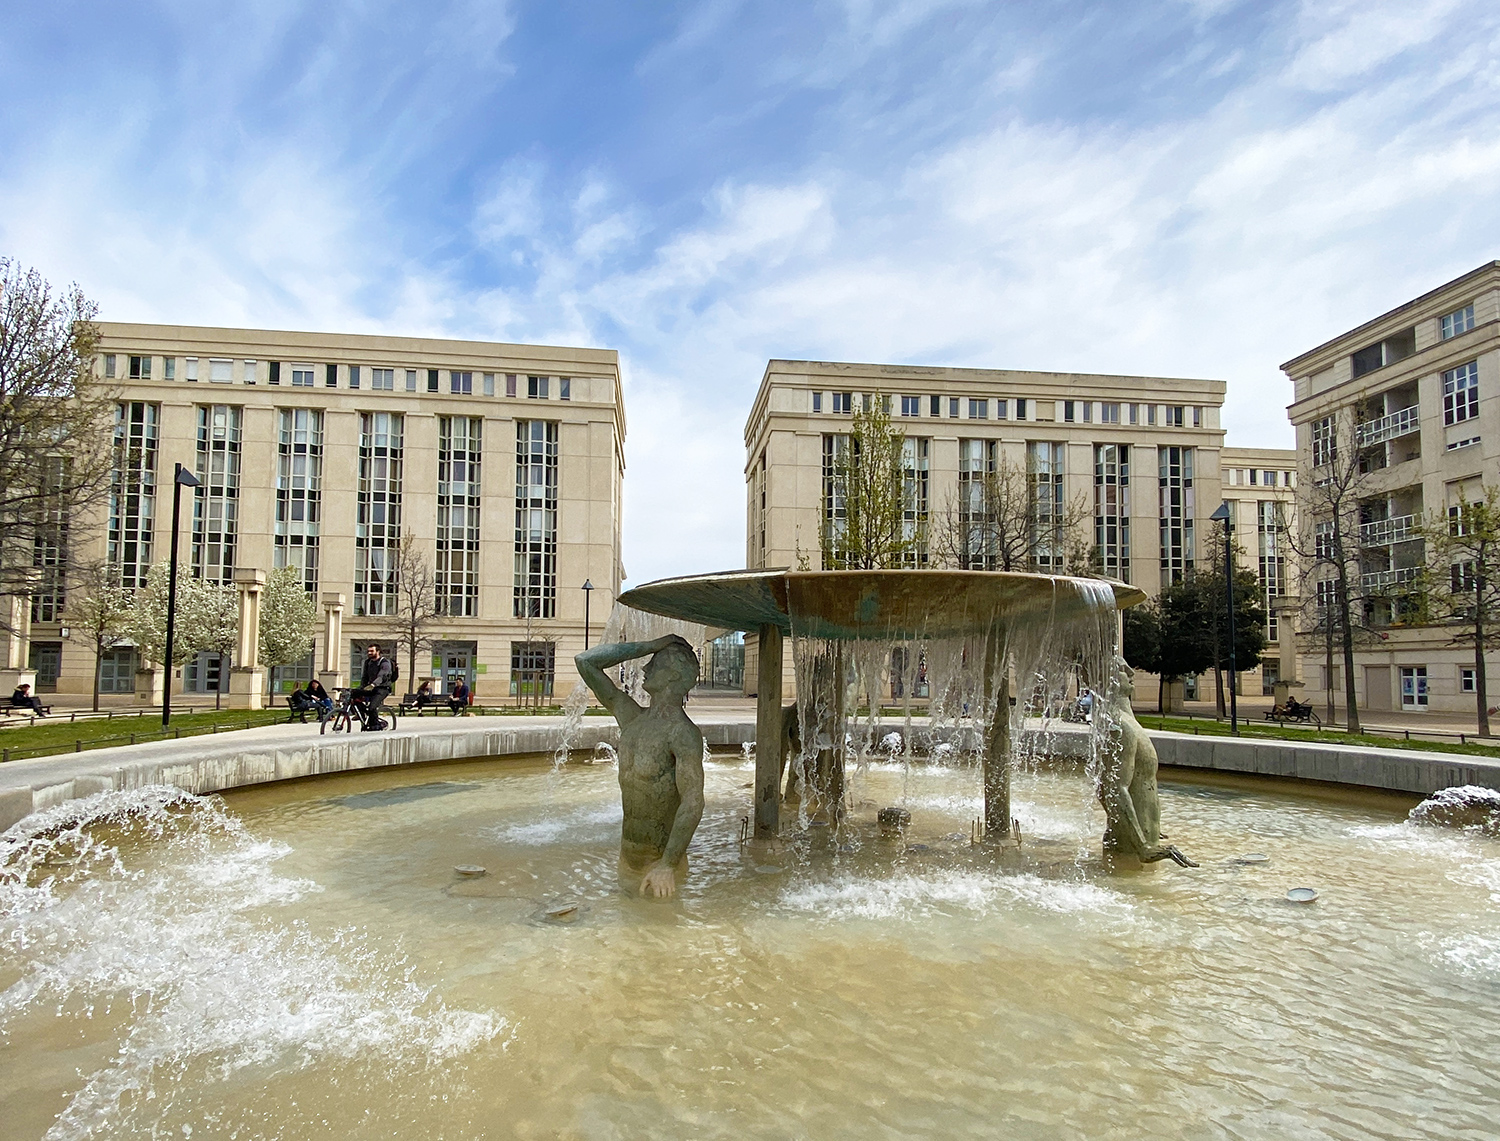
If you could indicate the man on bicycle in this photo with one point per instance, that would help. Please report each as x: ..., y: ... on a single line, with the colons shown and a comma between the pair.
x: 374, y: 688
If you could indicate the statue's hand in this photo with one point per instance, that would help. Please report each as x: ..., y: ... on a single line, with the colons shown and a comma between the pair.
x: 660, y: 882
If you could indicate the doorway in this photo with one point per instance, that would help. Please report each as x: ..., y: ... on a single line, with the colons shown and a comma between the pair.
x: 454, y: 660
x: 1378, y: 688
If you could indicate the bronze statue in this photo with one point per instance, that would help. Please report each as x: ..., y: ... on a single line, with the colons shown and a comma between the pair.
x: 1127, y: 786
x: 661, y: 758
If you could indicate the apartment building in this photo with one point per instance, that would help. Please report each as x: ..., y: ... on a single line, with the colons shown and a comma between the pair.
x: 320, y: 451
x: 1132, y: 463
x: 1412, y: 393
x: 1259, y: 485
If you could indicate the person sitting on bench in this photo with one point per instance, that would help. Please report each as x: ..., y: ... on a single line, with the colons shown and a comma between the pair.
x: 319, y: 697
x: 299, y: 703
x: 22, y: 698
x: 458, y: 697
x: 423, y: 697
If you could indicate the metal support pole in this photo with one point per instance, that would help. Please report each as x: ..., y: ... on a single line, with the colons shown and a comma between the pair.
x: 180, y: 478
x: 768, y: 734
x: 1234, y: 677
x: 588, y: 594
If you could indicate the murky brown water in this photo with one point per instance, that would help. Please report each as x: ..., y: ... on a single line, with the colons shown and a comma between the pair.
x: 305, y: 963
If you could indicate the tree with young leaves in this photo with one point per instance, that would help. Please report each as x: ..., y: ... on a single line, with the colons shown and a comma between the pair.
x: 991, y: 521
x: 288, y: 618
x: 872, y: 519
x: 1463, y: 552
x: 216, y: 621
x: 1249, y: 618
x: 415, y: 608
x: 148, y: 620
x: 100, y: 608
x: 55, y: 421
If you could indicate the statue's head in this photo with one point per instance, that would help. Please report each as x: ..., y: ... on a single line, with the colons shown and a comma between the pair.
x: 671, y: 672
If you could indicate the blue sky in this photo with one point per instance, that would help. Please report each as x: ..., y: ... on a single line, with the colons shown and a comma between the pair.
x: 1200, y: 188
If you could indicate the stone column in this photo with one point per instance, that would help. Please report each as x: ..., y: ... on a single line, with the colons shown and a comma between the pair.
x: 332, y: 674
x: 247, y: 681
x: 17, y: 644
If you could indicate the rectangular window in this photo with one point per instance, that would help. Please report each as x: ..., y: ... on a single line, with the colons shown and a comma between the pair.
x: 432, y: 380
x: 1109, y: 413
x: 169, y: 368
x: 220, y: 371
x: 1176, y: 512
x: 274, y: 375
x: 1045, y: 468
x: 1394, y: 348
x: 1458, y: 322
x: 1461, y: 393
x: 510, y: 384
x: 979, y: 409
x: 979, y: 538
x: 299, y: 491
x: 1002, y: 408
x: 843, y: 402
x: 1021, y: 408
x: 1324, y: 444
x: 835, y: 506
x: 935, y: 406
x: 1134, y: 412
x: 1174, y: 415
x: 817, y: 402
x: 758, y: 509
x: 533, y: 667
x: 1466, y: 682
x: 1112, y: 510
x: 377, y: 534
x: 534, y: 589
x: 953, y: 408
x: 132, y: 490
x: 1151, y: 415
x: 1268, y: 478
x: 915, y: 454
x: 140, y: 368
x: 461, y: 384
x: 109, y: 365
x: 489, y: 384
x: 1461, y: 577
x: 330, y: 376
x: 911, y: 406
x: 383, y: 379
x: 216, y: 503
x: 190, y: 368
x: 536, y: 387
x: 411, y: 380
x: 565, y: 388
x: 1070, y: 411
x: 1272, y: 559
x: 117, y: 671
x: 459, y: 449
x: 49, y: 543
x: 354, y: 376
x: 1413, y: 687
x: 249, y: 372
x: 1327, y: 593
x: 302, y: 376
x: 1197, y: 416
x: 1324, y: 541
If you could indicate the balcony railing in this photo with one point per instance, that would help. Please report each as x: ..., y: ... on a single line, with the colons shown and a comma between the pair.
x: 1385, y: 580
x: 1402, y: 423
x: 1383, y: 532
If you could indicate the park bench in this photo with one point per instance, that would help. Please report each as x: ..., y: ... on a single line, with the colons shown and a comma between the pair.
x: 9, y: 709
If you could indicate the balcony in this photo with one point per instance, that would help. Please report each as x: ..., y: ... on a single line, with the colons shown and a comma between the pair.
x: 1401, y: 423
x: 1384, y: 532
x: 1385, y: 580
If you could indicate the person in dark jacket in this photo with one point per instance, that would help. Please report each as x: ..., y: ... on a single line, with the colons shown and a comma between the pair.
x: 458, y: 697
x: 319, y: 697
x: 423, y: 697
x: 23, y: 698
x: 374, y: 687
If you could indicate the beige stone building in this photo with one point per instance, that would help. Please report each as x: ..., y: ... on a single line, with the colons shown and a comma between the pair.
x: 1259, y: 485
x: 320, y: 451
x: 1414, y: 392
x: 1135, y: 460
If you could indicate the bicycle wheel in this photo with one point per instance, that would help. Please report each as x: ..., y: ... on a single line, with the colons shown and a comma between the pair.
x: 341, y: 721
x: 393, y: 716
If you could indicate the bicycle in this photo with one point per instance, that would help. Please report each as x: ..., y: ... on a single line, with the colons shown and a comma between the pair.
x: 345, y: 714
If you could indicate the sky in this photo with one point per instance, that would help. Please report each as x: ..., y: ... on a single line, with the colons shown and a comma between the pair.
x: 1197, y: 188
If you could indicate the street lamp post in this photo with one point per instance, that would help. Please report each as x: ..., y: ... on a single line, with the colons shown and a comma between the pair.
x: 1222, y: 515
x: 588, y: 594
x: 182, y: 478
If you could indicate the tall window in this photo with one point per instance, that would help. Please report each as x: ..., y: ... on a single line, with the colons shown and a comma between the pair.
x: 132, y: 490
x: 1461, y: 393
x: 1175, y: 508
x: 1112, y: 509
x: 835, y: 507
x: 299, y: 492
x: 1272, y: 561
x: 976, y: 462
x: 1045, y: 467
x: 459, y: 447
x: 534, y: 592
x: 758, y: 508
x: 533, y: 666
x: 49, y: 545
x: 1324, y: 445
x: 216, y: 503
x: 461, y: 383
x: 378, y: 528
x: 914, y: 466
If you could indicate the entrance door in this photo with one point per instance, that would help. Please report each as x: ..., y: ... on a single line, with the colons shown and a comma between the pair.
x: 456, y: 664
x: 46, y: 659
x: 1378, y: 688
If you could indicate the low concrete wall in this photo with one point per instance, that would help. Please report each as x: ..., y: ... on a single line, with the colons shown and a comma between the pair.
x: 216, y: 763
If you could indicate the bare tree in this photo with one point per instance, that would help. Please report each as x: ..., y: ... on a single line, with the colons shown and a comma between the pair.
x: 101, y: 608
x: 55, y: 422
x: 994, y: 519
x: 415, y: 608
x: 873, y: 516
x: 1463, y: 551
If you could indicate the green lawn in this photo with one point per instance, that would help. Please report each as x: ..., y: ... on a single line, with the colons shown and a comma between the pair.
x: 56, y: 734
x: 1269, y: 730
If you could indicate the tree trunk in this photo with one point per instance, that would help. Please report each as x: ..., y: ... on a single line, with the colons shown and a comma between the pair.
x: 411, y: 661
x: 1351, y: 707
x: 1328, y: 666
x: 98, y: 669
x: 1481, y: 694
